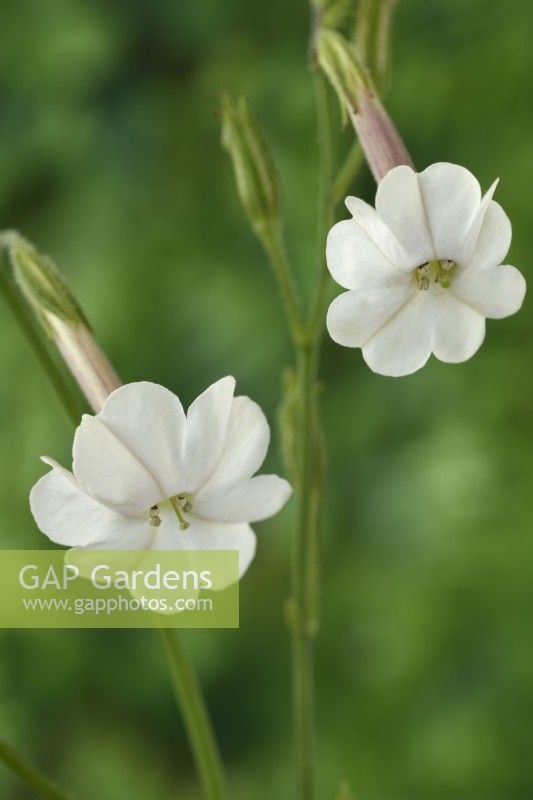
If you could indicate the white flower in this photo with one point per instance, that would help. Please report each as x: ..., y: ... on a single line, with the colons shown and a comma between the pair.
x: 422, y: 269
x: 147, y: 476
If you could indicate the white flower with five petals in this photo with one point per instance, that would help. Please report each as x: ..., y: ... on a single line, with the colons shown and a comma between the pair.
x: 423, y: 270
x: 146, y: 475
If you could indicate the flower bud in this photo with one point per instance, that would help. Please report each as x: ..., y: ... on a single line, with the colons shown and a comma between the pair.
x: 336, y: 58
x: 255, y: 174
x: 40, y: 281
x: 58, y: 313
x: 381, y: 142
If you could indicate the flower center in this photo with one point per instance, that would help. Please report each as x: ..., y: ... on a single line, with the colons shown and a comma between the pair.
x: 181, y: 504
x: 439, y: 271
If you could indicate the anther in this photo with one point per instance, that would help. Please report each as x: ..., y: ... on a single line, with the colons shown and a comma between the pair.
x: 155, y: 519
x: 178, y: 509
x: 185, y: 501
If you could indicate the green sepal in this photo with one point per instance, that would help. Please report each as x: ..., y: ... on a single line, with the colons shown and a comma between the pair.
x: 39, y: 281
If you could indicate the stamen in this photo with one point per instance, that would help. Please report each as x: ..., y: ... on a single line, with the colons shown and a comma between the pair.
x: 155, y: 519
x: 175, y: 503
x: 422, y: 277
x: 437, y: 271
x: 185, y: 500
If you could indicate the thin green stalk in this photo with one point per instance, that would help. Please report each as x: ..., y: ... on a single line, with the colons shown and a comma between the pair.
x: 28, y: 325
x: 30, y: 774
x: 346, y: 174
x: 304, y: 620
x: 326, y: 204
x: 273, y: 243
x: 305, y: 607
x: 196, y: 718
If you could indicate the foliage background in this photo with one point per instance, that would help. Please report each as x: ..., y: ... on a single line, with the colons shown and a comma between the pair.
x: 110, y: 161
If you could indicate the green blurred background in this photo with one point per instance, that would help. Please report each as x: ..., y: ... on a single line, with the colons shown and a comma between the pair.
x: 110, y: 161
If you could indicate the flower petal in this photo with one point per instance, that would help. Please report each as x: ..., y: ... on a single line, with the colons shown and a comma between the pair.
x: 493, y: 241
x: 205, y: 432
x: 149, y: 420
x: 458, y: 330
x: 110, y: 472
x: 245, y: 446
x: 205, y: 535
x: 451, y: 197
x: 354, y: 316
x: 495, y: 291
x: 473, y: 234
x: 399, y: 203
x: 403, y: 344
x: 250, y: 501
x: 69, y: 516
x: 362, y: 250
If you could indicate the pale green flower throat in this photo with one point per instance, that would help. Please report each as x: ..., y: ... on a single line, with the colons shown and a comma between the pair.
x: 439, y: 271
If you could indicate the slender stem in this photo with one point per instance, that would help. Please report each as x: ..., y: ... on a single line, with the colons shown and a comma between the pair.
x: 305, y: 602
x: 325, y: 143
x: 304, y: 622
x: 326, y: 204
x: 347, y: 173
x: 196, y: 718
x: 304, y: 617
x: 30, y: 774
x: 341, y: 185
x: 28, y: 325
x: 277, y: 255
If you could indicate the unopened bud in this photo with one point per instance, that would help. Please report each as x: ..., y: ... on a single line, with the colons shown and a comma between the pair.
x: 381, y: 142
x: 336, y: 58
x: 40, y: 281
x: 255, y: 174
x: 58, y: 313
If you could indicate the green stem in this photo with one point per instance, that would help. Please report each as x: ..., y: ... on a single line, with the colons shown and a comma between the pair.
x: 197, y: 723
x: 305, y: 604
x: 304, y: 622
x: 28, y: 324
x: 326, y: 205
x: 30, y: 774
x: 353, y: 162
x: 279, y: 262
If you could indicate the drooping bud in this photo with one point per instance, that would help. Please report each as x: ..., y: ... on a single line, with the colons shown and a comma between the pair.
x: 255, y: 173
x: 43, y: 287
x: 381, y: 142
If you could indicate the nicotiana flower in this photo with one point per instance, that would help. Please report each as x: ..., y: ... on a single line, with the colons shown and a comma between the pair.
x: 146, y: 475
x: 422, y: 270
